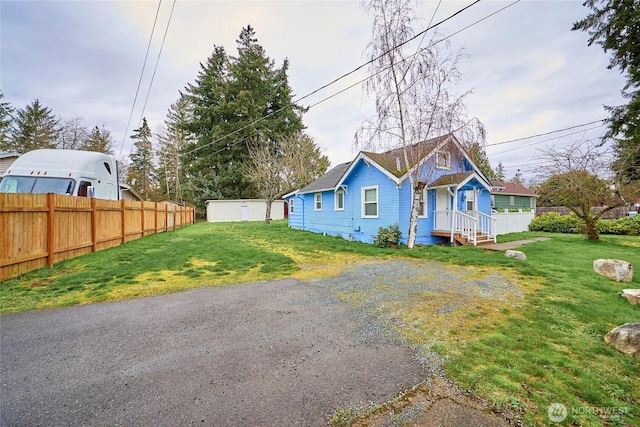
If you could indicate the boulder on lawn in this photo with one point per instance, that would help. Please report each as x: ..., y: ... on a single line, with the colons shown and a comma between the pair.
x: 626, y: 338
x: 515, y: 254
x: 615, y: 269
x: 632, y: 295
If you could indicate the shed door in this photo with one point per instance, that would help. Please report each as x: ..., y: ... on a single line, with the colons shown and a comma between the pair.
x: 244, y: 213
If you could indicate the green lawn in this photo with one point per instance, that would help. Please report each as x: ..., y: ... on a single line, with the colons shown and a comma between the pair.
x: 549, y: 348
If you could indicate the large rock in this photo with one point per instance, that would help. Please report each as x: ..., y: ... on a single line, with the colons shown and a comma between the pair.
x: 515, y: 254
x: 626, y: 338
x: 632, y: 295
x: 615, y: 269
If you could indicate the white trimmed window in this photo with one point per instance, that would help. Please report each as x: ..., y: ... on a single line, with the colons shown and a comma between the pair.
x: 512, y: 200
x: 470, y: 197
x: 318, y: 201
x: 370, y: 202
x: 443, y: 160
x: 423, y: 205
x: 291, y: 206
x: 339, y: 200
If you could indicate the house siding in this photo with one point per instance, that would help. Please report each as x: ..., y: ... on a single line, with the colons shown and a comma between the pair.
x: 349, y: 223
x: 502, y: 201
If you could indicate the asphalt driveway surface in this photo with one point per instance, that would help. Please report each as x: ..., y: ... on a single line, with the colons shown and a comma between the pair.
x: 272, y: 353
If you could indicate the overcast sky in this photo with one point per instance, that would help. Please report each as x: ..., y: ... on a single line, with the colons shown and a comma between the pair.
x: 529, y: 72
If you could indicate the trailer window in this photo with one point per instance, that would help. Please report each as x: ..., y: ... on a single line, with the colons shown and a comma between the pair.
x: 53, y: 185
x: 17, y: 184
x: 29, y: 184
x: 107, y: 167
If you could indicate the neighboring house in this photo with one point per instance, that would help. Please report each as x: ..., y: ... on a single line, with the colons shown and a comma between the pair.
x: 353, y: 200
x: 243, y: 210
x: 128, y: 193
x: 6, y: 160
x: 507, y: 195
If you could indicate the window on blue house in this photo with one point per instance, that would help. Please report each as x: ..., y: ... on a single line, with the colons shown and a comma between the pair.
x: 370, y: 202
x: 443, y: 160
x: 291, y: 206
x: 423, y: 207
x: 339, y: 202
x: 318, y: 203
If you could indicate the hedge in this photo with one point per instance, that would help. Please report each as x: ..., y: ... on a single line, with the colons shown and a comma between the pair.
x: 553, y: 222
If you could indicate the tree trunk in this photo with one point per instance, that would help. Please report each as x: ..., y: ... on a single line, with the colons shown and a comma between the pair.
x: 267, y: 216
x: 590, y: 222
x: 413, y: 219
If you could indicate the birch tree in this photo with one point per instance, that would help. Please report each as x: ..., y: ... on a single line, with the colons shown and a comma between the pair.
x: 415, y: 96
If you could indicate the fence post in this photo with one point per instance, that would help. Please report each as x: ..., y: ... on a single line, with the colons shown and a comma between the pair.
x: 123, y: 220
x: 142, y: 219
x: 50, y: 225
x: 94, y: 225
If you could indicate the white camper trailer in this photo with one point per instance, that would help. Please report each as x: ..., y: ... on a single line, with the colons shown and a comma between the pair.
x: 70, y: 172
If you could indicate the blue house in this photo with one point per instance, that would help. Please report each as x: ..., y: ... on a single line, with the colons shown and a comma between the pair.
x: 355, y: 199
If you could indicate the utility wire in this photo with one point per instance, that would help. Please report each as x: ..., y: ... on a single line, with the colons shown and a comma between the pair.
x: 353, y: 71
x: 157, y: 62
x: 545, y: 140
x: 546, y: 133
x: 389, y: 50
x: 141, y: 75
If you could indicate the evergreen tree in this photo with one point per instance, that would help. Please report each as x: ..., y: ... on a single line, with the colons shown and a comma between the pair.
x: 99, y: 140
x: 479, y: 157
x: 615, y: 25
x: 239, y: 105
x: 35, y: 127
x: 172, y: 139
x: 500, y: 173
x: 6, y: 123
x: 142, y: 171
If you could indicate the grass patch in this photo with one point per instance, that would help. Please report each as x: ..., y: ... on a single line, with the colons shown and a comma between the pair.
x: 520, y: 352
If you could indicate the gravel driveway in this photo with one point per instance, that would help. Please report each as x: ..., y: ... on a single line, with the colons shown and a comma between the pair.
x: 274, y: 353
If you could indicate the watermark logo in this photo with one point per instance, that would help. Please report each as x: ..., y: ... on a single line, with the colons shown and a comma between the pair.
x: 557, y: 412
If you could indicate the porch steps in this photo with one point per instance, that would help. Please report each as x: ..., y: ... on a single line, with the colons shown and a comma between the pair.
x: 458, y: 238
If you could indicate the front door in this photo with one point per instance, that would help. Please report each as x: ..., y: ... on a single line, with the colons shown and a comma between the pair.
x: 443, y: 206
x: 244, y: 213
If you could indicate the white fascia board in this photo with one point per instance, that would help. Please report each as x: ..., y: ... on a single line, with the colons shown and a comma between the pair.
x: 362, y: 156
x: 293, y: 193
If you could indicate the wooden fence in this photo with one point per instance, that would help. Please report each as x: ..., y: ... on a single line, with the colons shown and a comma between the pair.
x: 38, y: 230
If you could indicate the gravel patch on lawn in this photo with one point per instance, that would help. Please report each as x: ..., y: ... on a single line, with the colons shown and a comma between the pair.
x: 425, y: 304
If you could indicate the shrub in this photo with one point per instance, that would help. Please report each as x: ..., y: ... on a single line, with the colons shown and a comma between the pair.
x: 388, y: 236
x: 553, y: 222
x: 629, y: 225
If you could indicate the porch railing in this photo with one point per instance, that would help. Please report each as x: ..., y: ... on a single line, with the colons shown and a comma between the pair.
x: 469, y: 224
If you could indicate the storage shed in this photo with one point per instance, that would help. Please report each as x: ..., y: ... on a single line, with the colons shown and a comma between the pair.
x: 243, y: 210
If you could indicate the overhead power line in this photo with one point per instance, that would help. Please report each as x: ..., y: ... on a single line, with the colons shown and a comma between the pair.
x: 356, y: 69
x: 545, y: 140
x: 144, y: 64
x: 166, y: 30
x: 546, y: 133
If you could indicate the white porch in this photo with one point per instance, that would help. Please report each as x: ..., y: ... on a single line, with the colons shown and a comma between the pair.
x: 470, y: 226
x: 464, y: 227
